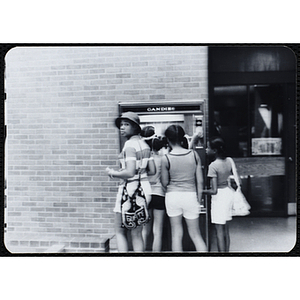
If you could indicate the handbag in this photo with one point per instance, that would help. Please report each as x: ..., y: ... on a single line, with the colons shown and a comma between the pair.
x: 240, y: 206
x: 127, y: 210
x: 134, y: 208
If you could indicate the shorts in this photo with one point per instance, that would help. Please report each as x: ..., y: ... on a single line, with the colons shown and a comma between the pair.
x: 221, y: 206
x: 131, y: 188
x: 157, y: 202
x: 182, y: 203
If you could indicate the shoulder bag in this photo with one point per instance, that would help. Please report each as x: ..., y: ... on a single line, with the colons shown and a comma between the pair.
x: 240, y: 205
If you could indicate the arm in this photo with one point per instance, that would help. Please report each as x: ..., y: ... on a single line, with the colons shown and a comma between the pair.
x: 126, y: 173
x: 130, y: 166
x: 151, y: 167
x: 165, y: 177
x: 194, y: 141
x: 199, y: 177
x: 213, y: 190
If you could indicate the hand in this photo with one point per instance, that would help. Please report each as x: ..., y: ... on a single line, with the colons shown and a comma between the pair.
x: 199, y: 198
x: 109, y: 172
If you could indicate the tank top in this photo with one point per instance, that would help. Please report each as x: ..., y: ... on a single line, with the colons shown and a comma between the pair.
x: 155, y: 180
x: 182, y: 170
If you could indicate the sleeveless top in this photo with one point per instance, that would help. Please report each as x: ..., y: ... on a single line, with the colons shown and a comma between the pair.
x: 182, y: 171
x: 155, y: 180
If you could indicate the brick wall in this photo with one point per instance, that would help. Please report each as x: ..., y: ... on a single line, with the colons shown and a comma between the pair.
x: 60, y: 110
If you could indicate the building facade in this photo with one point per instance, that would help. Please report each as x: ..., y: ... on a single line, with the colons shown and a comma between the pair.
x: 61, y: 103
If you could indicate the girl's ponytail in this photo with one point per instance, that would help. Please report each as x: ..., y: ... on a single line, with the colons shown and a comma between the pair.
x: 184, y: 143
x: 175, y: 134
x: 218, y: 144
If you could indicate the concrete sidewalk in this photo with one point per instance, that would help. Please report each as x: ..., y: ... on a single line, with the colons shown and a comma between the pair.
x: 247, y: 234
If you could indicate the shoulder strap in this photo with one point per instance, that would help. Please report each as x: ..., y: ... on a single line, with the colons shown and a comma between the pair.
x: 195, y: 157
x: 139, y: 170
x: 168, y: 161
x: 234, y: 171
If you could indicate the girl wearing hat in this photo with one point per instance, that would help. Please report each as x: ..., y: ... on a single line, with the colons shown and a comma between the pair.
x: 181, y: 174
x: 134, y: 159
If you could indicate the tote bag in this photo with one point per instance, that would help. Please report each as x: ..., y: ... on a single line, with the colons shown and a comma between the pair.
x: 240, y: 205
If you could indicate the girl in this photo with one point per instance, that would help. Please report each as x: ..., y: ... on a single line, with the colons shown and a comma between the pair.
x: 157, y: 208
x: 222, y: 196
x: 182, y: 176
x: 135, y: 159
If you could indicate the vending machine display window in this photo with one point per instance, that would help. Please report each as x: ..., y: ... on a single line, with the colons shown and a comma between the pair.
x: 189, y: 114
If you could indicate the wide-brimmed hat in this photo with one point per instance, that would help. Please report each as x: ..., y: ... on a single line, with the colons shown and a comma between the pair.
x: 129, y: 115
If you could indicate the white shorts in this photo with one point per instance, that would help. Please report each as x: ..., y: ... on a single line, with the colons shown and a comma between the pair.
x: 221, y: 206
x: 131, y: 188
x: 182, y: 203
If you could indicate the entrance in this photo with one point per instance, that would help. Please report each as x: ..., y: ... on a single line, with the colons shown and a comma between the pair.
x: 252, y: 107
x: 190, y: 115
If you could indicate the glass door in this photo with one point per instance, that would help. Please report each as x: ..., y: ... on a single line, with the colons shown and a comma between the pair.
x: 250, y: 119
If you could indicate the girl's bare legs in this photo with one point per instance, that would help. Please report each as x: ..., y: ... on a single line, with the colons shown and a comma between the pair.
x: 147, y: 228
x: 227, y: 238
x: 222, y: 239
x: 121, y: 234
x: 158, y: 223
x: 177, y: 233
x: 137, y: 239
x: 195, y: 234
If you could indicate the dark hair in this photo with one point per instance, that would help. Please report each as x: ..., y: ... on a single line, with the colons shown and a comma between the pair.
x: 175, y: 134
x: 147, y: 132
x: 137, y: 128
x: 185, y: 143
x: 157, y: 143
x: 218, y: 144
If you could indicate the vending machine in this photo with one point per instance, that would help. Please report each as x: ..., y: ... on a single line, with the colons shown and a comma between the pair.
x: 190, y: 114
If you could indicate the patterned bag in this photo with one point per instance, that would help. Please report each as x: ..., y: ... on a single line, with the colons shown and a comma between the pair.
x: 141, y: 210
x: 134, y: 209
x: 127, y: 210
